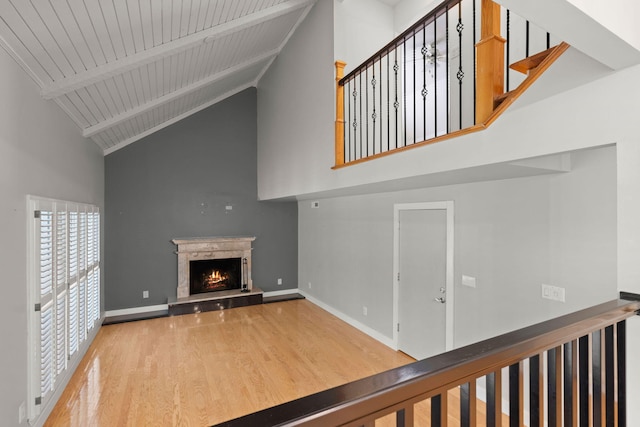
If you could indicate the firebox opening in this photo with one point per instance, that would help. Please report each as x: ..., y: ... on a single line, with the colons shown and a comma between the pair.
x: 215, y: 275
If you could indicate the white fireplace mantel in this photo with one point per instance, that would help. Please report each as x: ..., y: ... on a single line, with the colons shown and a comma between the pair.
x: 204, y: 248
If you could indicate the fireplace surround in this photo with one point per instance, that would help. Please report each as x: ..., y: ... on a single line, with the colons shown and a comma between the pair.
x: 212, y: 248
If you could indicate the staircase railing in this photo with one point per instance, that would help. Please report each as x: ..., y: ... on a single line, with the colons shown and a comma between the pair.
x: 436, y: 80
x: 567, y: 371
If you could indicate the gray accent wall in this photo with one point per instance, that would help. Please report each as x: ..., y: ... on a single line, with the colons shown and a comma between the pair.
x: 179, y: 183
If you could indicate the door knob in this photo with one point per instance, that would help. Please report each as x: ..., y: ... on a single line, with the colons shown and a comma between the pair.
x: 441, y: 300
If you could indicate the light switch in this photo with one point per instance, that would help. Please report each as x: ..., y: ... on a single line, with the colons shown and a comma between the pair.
x: 469, y: 281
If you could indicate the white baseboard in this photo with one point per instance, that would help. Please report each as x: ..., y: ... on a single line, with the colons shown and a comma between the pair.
x: 282, y: 292
x: 135, y: 310
x: 351, y: 321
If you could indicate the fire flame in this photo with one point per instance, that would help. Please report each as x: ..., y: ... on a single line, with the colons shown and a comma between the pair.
x: 215, y: 279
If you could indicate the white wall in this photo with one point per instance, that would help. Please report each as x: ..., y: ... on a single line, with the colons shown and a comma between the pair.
x: 605, y: 31
x: 408, y: 12
x: 41, y: 153
x: 296, y: 106
x: 362, y: 27
x: 619, y: 16
x: 299, y: 164
x: 512, y: 235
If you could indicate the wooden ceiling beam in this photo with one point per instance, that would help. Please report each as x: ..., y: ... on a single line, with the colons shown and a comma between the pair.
x: 92, y: 76
x: 127, y: 115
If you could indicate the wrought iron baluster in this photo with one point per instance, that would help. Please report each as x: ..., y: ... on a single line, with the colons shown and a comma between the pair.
x: 535, y: 391
x: 583, y: 369
x: 475, y: 41
x: 360, y: 115
x: 373, y: 115
x: 621, y: 351
x: 424, y: 92
x: 460, y: 74
x: 508, y: 49
x: 355, y: 122
x: 526, y: 55
x: 596, y: 366
x: 551, y: 387
x: 346, y: 128
x: 396, y: 104
x: 448, y: 112
x: 381, y: 112
x: 388, y: 107
x: 514, y: 395
x: 609, y: 371
x: 366, y: 110
x: 492, y: 384
x: 570, y: 378
x: 414, y: 86
x: 436, y: 409
x: 435, y: 77
x: 404, y: 98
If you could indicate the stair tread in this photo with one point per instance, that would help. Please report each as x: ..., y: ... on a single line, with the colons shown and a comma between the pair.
x: 527, y: 64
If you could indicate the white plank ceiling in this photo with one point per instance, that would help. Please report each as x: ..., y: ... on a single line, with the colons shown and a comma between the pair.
x: 123, y: 69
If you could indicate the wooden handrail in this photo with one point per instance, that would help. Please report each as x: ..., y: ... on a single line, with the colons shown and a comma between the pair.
x: 398, y: 388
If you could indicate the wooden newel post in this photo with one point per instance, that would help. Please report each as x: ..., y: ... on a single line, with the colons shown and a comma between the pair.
x: 339, y: 114
x: 490, y: 61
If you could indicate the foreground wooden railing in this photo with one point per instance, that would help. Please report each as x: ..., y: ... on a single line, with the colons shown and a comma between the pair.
x: 575, y: 366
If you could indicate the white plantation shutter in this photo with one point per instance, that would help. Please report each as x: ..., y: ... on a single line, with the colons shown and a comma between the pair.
x: 45, y: 288
x: 61, y: 332
x: 74, y: 336
x: 82, y: 311
x: 46, y: 350
x: 82, y: 242
x: 65, y: 290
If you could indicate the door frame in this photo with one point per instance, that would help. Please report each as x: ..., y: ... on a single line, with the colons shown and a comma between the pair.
x: 449, y: 304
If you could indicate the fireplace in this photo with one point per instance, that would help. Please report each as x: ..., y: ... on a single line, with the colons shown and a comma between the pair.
x: 210, y: 264
x: 211, y: 275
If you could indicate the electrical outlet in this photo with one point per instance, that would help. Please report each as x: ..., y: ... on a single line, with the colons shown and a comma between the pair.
x: 145, y: 294
x: 364, y: 310
x: 309, y: 285
x: 315, y: 204
x: 554, y: 293
x: 22, y: 413
x: 279, y: 281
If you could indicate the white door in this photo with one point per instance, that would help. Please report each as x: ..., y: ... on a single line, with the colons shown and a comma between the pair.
x: 423, y: 273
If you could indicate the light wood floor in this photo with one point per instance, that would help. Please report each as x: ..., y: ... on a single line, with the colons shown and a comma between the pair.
x: 202, y: 369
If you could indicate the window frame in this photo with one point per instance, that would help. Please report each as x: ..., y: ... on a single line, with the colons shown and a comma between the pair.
x: 70, y: 337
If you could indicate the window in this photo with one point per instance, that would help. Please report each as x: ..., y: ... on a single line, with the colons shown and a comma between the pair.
x: 64, y: 291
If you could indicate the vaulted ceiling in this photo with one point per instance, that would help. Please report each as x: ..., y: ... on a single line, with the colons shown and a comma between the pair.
x: 123, y: 69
